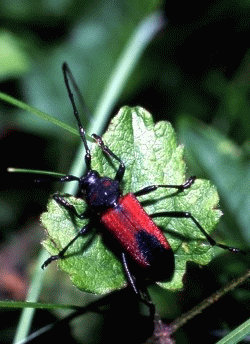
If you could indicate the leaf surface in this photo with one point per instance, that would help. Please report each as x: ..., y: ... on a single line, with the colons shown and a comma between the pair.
x: 152, y: 156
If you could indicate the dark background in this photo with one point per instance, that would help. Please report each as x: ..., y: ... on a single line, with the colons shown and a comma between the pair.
x: 195, y: 73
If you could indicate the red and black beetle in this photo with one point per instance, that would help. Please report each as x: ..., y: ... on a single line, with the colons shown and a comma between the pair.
x: 142, y: 243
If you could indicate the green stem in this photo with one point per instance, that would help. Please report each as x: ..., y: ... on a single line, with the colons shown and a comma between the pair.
x: 37, y: 112
x: 33, y: 294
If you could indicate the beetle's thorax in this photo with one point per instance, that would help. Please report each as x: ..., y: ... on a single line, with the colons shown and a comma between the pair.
x: 100, y: 192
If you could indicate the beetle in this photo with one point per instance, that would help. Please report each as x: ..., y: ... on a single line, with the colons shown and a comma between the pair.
x: 143, y: 245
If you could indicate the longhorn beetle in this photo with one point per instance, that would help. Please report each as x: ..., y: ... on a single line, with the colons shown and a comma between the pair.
x: 142, y: 243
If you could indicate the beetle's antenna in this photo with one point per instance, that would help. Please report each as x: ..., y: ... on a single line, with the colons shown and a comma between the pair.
x: 68, y: 76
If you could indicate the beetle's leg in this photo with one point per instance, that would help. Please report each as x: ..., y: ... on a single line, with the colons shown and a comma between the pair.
x: 188, y: 215
x: 61, y: 254
x: 152, y: 188
x: 62, y: 201
x: 143, y: 296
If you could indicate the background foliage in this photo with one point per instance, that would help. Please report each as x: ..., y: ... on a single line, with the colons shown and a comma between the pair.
x: 195, y: 74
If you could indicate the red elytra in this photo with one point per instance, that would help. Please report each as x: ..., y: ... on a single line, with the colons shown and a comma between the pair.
x: 139, y: 237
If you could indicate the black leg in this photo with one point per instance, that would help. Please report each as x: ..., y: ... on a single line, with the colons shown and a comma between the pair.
x: 130, y: 277
x: 187, y: 215
x: 62, y: 201
x: 142, y: 295
x: 61, y: 254
x: 152, y: 188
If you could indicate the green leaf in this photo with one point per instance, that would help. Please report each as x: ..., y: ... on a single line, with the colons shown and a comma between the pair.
x: 151, y: 156
x: 226, y: 164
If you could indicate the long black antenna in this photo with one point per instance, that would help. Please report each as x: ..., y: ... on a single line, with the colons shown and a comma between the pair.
x: 68, y: 76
